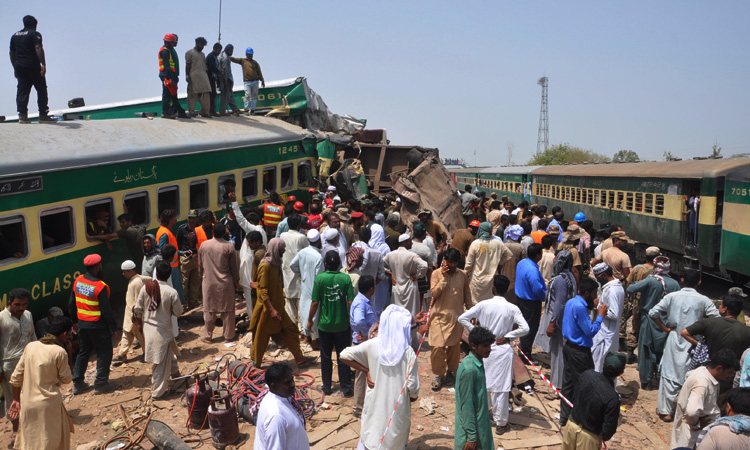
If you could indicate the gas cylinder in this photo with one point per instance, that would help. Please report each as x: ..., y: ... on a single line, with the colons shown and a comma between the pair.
x: 197, y: 403
x: 222, y: 419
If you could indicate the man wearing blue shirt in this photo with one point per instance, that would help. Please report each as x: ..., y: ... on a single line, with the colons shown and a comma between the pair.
x: 557, y: 217
x: 530, y: 290
x: 361, y: 318
x: 579, y: 332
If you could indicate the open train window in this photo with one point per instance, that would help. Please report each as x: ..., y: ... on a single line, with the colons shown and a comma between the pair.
x: 56, y: 227
x: 611, y: 199
x: 139, y: 207
x: 648, y: 206
x: 99, y: 216
x: 639, y: 202
x: 603, y: 199
x: 629, y: 201
x: 590, y: 196
x: 226, y: 184
x: 13, y: 239
x: 620, y: 200
x: 578, y: 195
x: 304, y: 174
x: 269, y: 179
x: 198, y: 195
x: 250, y: 183
x: 287, y: 176
x: 659, y: 206
x: 168, y: 197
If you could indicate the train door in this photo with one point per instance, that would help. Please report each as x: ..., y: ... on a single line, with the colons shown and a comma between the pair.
x: 690, y: 213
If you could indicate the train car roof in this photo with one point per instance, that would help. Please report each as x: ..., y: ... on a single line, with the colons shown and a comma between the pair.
x: 512, y: 170
x: 698, y: 168
x: 46, y: 147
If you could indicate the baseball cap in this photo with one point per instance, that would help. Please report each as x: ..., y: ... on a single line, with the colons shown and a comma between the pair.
x: 193, y: 213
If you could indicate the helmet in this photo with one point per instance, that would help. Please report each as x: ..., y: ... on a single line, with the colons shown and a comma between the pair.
x: 299, y: 206
x: 292, y: 199
x: 580, y: 217
x: 474, y: 223
x: 170, y: 38
x: 249, y: 51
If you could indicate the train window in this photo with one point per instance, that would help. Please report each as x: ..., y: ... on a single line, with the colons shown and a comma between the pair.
x: 639, y: 202
x: 603, y: 198
x: 620, y: 200
x: 611, y: 199
x: 56, y: 226
x: 168, y: 197
x: 578, y: 195
x: 287, y: 176
x: 304, y: 174
x: 568, y: 194
x: 629, y: 201
x: 597, y: 198
x: 648, y: 207
x: 13, y: 242
x: 269, y: 179
x: 99, y: 217
x: 659, y: 208
x: 199, y: 195
x: 590, y: 196
x: 138, y: 206
x: 250, y: 184
x: 226, y: 184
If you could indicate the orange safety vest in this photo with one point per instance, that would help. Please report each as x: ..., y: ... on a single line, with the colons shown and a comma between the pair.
x: 161, y: 61
x: 172, y: 241
x: 87, y: 298
x: 272, y: 215
x: 200, y: 233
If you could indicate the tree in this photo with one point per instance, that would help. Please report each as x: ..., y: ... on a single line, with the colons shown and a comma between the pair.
x: 626, y: 156
x: 567, y: 154
x: 668, y: 156
x: 716, y: 150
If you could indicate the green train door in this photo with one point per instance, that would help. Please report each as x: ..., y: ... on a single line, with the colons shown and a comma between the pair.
x: 690, y: 213
x: 735, y: 226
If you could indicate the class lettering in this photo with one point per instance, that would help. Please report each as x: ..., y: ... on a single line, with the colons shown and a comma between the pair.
x: 47, y: 287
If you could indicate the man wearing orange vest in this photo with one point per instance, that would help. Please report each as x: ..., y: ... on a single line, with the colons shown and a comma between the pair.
x: 188, y: 243
x: 164, y: 236
x: 168, y: 75
x: 272, y: 213
x: 93, y: 319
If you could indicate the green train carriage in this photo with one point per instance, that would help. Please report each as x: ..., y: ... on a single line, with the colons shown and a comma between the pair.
x: 56, y: 177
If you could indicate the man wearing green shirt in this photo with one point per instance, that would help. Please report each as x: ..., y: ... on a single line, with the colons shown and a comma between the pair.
x: 473, y: 425
x: 332, y: 295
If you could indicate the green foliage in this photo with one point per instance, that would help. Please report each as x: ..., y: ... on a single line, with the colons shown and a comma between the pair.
x: 715, y: 150
x: 567, y: 154
x: 626, y: 156
x: 668, y: 156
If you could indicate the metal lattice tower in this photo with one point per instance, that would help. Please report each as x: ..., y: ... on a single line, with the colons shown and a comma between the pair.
x: 543, y: 140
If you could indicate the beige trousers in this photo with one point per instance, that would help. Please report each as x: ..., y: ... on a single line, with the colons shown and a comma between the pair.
x: 227, y: 320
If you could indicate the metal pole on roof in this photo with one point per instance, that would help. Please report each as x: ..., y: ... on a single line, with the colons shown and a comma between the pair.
x: 542, y: 142
x: 219, y: 21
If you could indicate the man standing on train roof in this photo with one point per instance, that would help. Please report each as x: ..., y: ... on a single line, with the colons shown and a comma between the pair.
x: 164, y: 236
x: 92, y: 317
x: 199, y: 88
x: 212, y: 63
x: 252, y: 76
x: 29, y: 68
x: 226, y: 83
x: 168, y: 74
x: 133, y: 235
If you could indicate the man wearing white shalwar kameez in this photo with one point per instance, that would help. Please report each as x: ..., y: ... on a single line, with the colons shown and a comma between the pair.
x: 499, y: 316
x: 406, y: 268
x: 307, y: 265
x: 613, y: 295
x: 295, y: 241
x: 280, y: 423
x: 372, y: 264
x: 382, y: 290
x: 157, y: 304
x: 389, y: 367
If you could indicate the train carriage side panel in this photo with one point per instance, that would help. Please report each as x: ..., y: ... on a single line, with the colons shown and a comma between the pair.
x: 735, y: 226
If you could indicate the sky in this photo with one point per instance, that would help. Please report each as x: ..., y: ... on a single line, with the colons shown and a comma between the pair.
x: 459, y: 76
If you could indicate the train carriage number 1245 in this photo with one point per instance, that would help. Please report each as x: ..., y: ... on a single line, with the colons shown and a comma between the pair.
x: 740, y: 191
x: 290, y: 149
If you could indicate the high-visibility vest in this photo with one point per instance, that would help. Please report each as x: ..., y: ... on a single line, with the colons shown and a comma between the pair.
x: 272, y: 215
x: 200, y: 233
x: 161, y: 61
x: 172, y: 241
x: 87, y: 298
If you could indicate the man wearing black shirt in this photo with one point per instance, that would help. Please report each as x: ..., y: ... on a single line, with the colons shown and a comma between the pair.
x: 596, y: 407
x: 187, y: 248
x: 30, y: 68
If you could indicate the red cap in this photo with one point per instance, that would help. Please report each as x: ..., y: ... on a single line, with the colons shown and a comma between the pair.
x: 291, y: 198
x: 474, y: 223
x: 311, y: 190
x: 170, y: 38
x: 357, y: 215
x: 92, y: 260
x: 299, y: 206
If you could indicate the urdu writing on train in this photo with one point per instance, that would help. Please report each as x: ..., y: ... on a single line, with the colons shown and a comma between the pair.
x: 136, y: 177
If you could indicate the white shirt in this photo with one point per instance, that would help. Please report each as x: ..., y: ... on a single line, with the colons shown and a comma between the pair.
x: 499, y: 316
x: 295, y: 241
x: 402, y: 263
x: 279, y: 426
x: 15, y: 334
x: 607, y: 339
x: 308, y: 263
x: 247, y: 226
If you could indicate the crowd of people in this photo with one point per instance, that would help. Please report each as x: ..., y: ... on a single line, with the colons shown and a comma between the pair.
x: 356, y: 278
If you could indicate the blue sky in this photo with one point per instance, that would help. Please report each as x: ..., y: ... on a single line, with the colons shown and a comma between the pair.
x: 461, y: 76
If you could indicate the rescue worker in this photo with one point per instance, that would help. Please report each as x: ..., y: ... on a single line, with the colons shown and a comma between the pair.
x: 164, y: 236
x: 252, y: 76
x: 168, y: 76
x: 272, y: 213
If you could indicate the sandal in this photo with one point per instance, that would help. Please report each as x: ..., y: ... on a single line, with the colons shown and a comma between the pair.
x: 306, y: 362
x: 664, y: 417
x: 437, y: 383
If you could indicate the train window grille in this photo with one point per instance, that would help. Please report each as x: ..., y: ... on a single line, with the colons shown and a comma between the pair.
x: 629, y: 201
x: 639, y: 202
x: 13, y: 239
x: 57, y: 228
x: 590, y: 196
x: 250, y: 184
x: 168, y: 197
x: 568, y: 194
x: 578, y: 195
x: 603, y: 199
x: 287, y: 176
x: 198, y: 195
x: 648, y: 206
x: 94, y: 223
x: 269, y: 179
x: 221, y: 188
x: 659, y: 205
x: 139, y: 207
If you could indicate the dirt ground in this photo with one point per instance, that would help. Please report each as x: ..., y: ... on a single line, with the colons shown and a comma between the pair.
x: 531, y: 427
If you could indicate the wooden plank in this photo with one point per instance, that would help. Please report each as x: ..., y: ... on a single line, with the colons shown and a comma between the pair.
x: 336, y: 439
x: 323, y: 431
x: 529, y: 422
x: 532, y: 443
x: 326, y: 416
x: 631, y: 430
x: 651, y: 435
